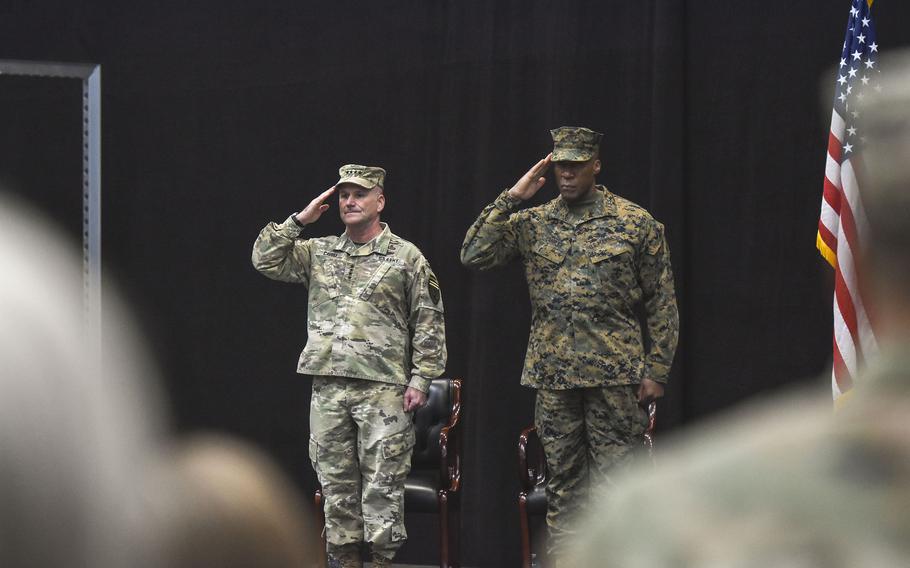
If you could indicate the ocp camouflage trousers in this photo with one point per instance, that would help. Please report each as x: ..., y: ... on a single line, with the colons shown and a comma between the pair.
x: 587, y: 434
x: 361, y: 441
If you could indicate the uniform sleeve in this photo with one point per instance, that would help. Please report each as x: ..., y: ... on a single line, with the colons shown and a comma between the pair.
x: 659, y: 299
x: 427, y: 326
x: 280, y: 254
x: 493, y: 238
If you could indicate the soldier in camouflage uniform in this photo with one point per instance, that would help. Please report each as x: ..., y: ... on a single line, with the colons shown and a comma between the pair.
x: 591, y: 259
x: 376, y: 338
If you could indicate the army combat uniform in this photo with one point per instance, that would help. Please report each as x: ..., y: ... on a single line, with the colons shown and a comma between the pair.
x: 588, y: 269
x: 375, y: 326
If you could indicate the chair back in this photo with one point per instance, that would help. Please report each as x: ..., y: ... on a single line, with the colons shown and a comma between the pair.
x: 429, y: 421
x: 532, y: 463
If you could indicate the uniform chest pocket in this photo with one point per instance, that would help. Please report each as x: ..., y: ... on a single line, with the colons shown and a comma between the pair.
x: 328, y: 279
x: 385, y: 291
x: 612, y: 252
x: 614, y: 264
x: 547, y: 253
x: 370, y: 286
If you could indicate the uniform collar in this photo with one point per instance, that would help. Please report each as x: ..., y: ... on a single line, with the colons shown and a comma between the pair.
x: 604, y: 206
x: 379, y: 244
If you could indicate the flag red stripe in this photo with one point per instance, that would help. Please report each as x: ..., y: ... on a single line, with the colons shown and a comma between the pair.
x: 848, y: 226
x: 834, y: 146
x: 828, y: 238
x: 847, y: 311
x: 832, y: 195
x: 841, y: 292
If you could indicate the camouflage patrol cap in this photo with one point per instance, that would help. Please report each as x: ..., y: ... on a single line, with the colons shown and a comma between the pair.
x: 574, y: 144
x: 364, y: 176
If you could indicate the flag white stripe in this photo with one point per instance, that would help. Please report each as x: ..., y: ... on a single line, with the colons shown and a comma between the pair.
x: 847, y: 266
x: 852, y: 193
x: 829, y: 218
x: 832, y: 171
x: 838, y: 124
x: 834, y: 387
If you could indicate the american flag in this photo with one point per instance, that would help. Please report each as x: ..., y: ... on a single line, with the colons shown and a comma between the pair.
x: 842, y: 225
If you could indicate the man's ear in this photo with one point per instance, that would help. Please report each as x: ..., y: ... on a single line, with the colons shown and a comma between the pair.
x: 380, y: 201
x: 597, y: 166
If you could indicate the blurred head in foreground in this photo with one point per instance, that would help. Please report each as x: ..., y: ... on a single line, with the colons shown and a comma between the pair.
x: 224, y: 504
x: 787, y: 483
x: 85, y: 480
x: 885, y: 184
x: 75, y: 442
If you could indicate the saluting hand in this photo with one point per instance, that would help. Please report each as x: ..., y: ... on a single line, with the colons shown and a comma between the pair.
x: 316, y: 208
x: 531, y: 182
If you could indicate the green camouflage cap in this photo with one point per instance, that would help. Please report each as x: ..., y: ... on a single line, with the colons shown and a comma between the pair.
x: 364, y: 176
x: 574, y: 144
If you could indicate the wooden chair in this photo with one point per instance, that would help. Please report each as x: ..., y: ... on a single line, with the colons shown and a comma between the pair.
x: 434, y: 484
x: 532, y: 474
x: 532, y: 499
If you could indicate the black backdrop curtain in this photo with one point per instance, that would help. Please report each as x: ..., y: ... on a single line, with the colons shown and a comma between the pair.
x: 221, y: 116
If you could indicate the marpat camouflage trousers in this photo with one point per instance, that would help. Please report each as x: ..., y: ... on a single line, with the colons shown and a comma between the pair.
x: 586, y: 433
x: 361, y: 441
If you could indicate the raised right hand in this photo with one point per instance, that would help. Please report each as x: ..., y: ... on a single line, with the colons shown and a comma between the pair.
x: 531, y: 182
x: 316, y: 208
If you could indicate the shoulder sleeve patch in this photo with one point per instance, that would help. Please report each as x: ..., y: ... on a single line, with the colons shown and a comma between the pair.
x: 433, y: 288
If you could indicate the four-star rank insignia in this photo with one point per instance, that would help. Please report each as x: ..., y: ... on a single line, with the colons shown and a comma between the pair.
x: 433, y: 288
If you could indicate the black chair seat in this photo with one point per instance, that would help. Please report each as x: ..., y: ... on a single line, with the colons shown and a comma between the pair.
x: 537, y: 501
x: 421, y: 492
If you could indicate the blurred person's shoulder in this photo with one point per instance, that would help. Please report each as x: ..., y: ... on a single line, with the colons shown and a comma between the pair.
x: 785, y: 477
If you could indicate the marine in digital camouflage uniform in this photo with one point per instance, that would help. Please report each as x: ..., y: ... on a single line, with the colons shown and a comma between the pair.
x: 792, y: 482
x: 375, y: 340
x: 591, y: 260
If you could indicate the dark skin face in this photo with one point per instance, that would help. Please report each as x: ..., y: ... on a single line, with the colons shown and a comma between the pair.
x: 575, y: 180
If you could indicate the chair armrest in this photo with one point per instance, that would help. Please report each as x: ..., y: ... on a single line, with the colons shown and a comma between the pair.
x: 450, y: 443
x: 531, y: 472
